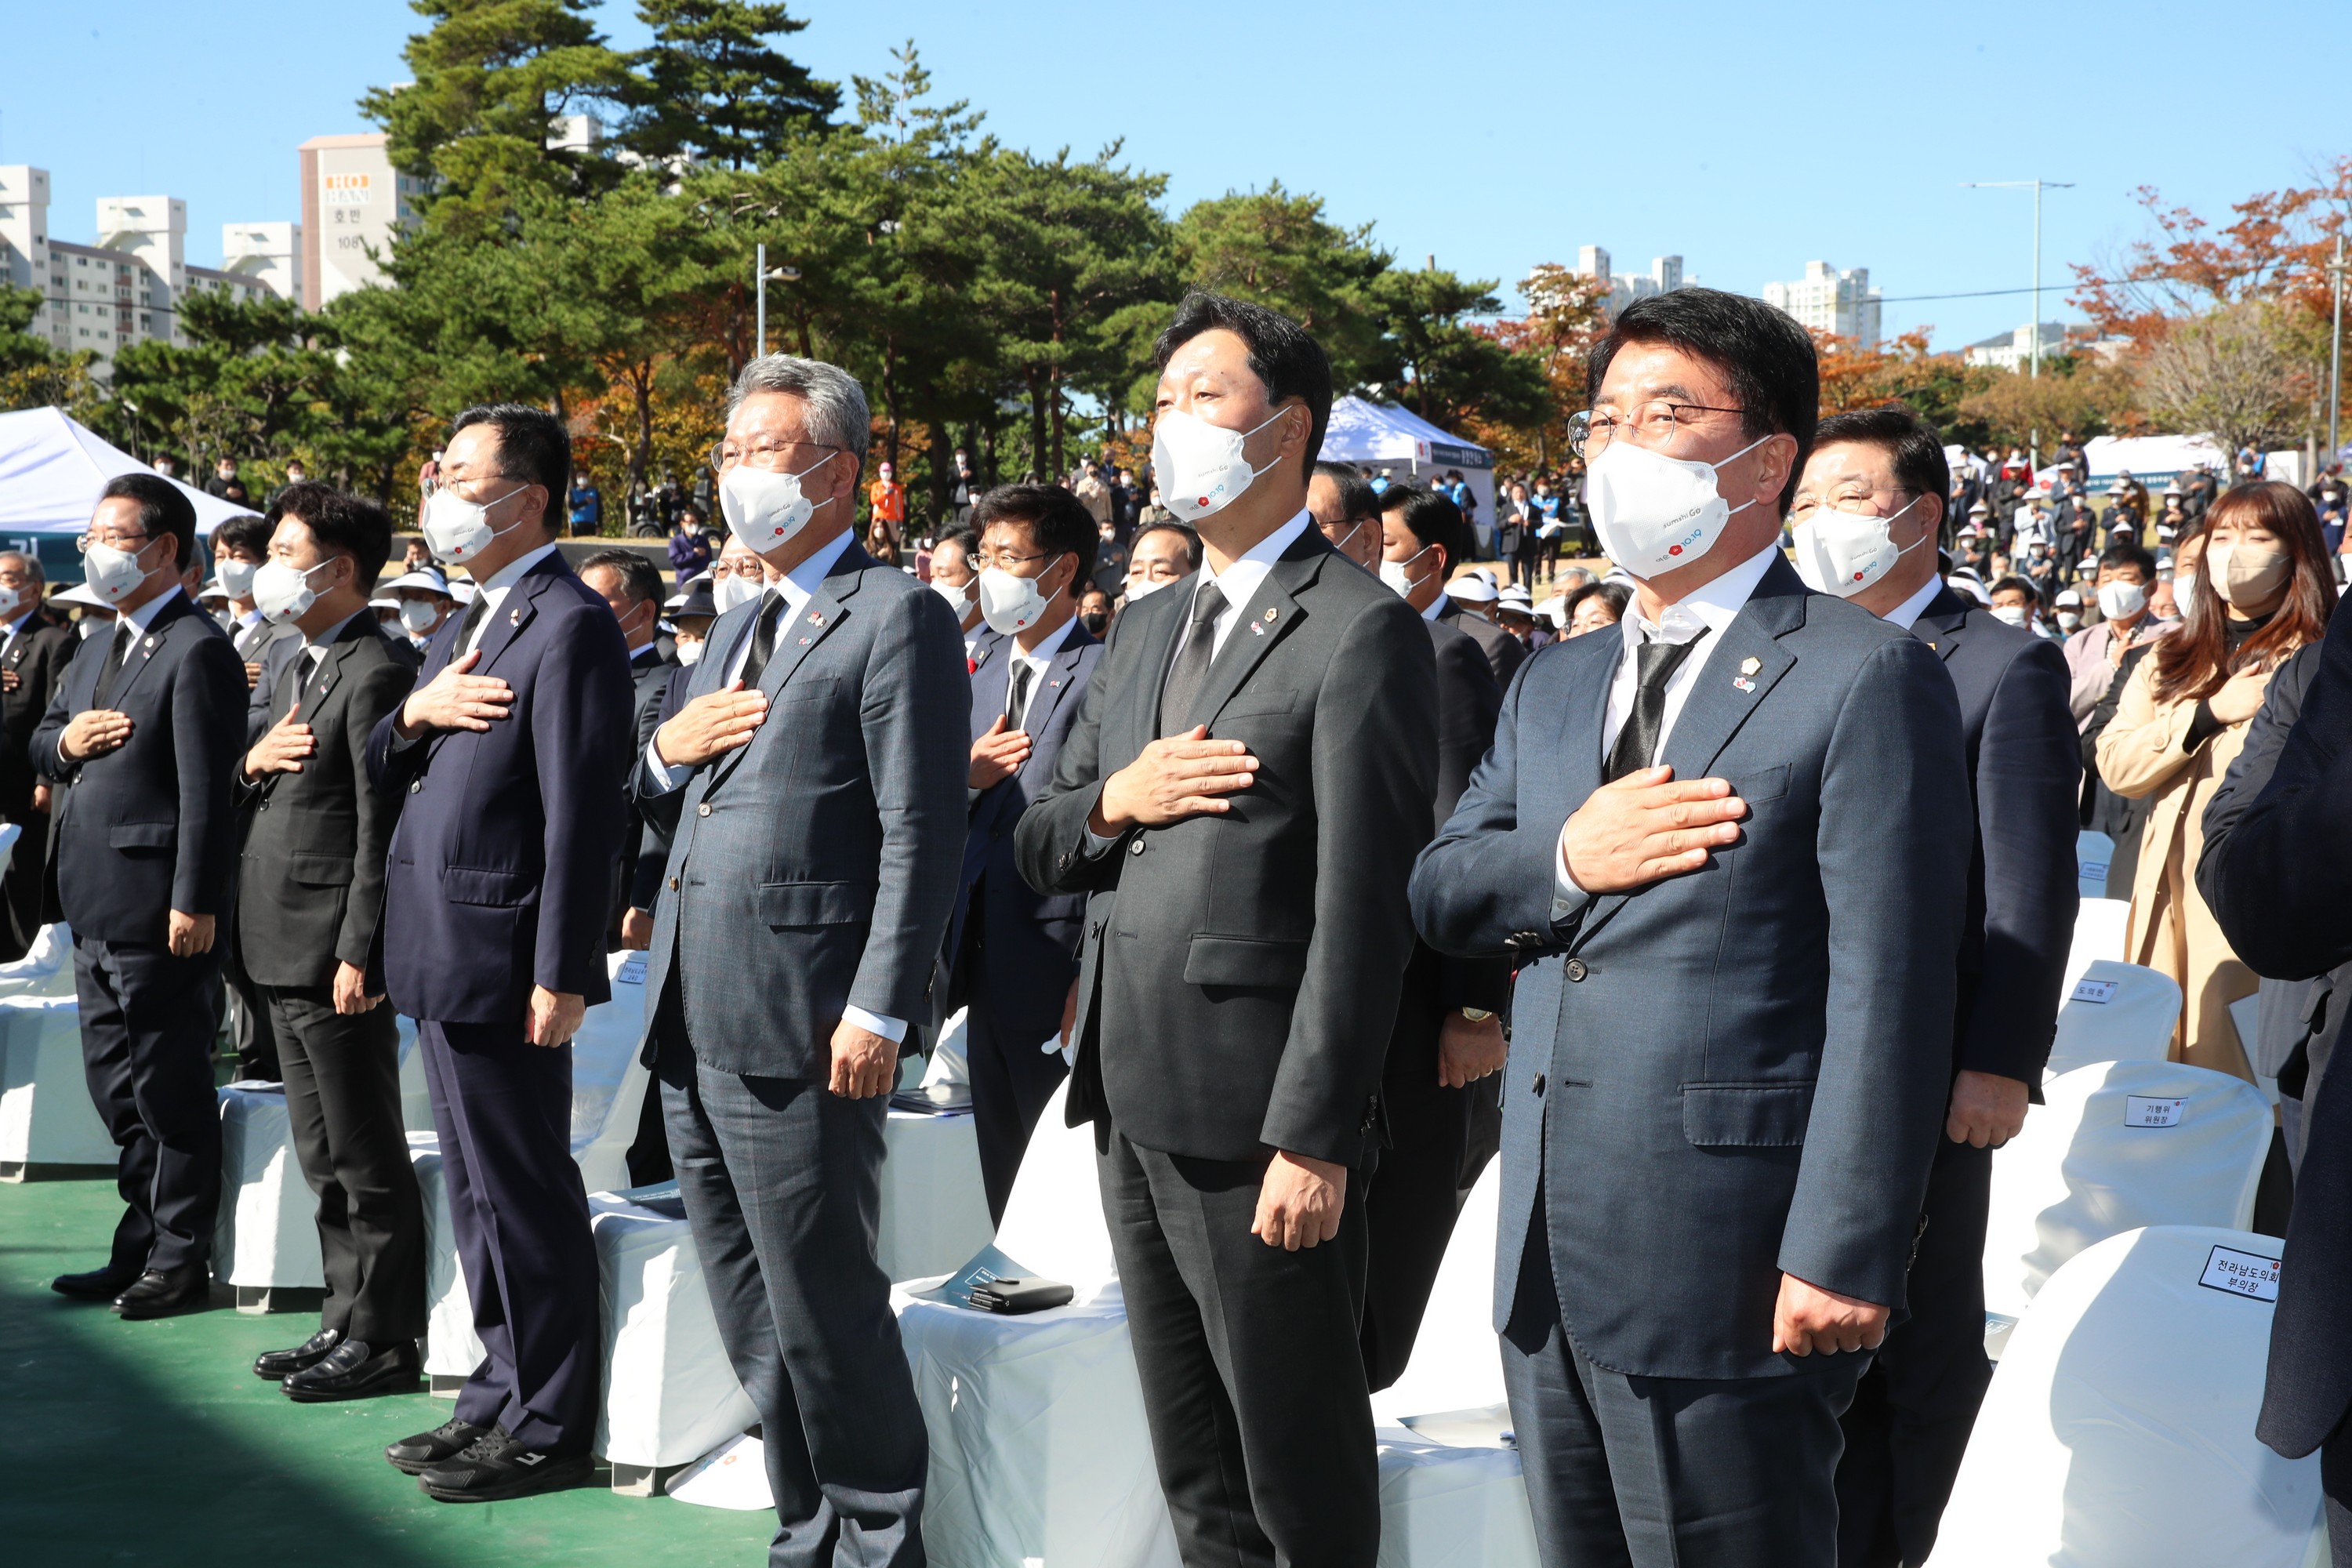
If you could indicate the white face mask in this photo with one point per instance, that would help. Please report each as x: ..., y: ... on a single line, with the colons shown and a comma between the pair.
x: 1396, y: 575
x: 417, y: 615
x: 958, y: 598
x: 283, y: 593
x: 689, y: 654
x: 764, y: 509
x: 1844, y: 552
x: 736, y: 588
x: 2184, y: 589
x: 457, y: 529
x: 2120, y: 600
x: 114, y: 575
x: 1141, y: 588
x: 90, y: 625
x: 1200, y: 466
x: 2009, y: 614
x: 236, y: 578
x: 1010, y: 604
x: 1653, y: 513
x: 2069, y: 619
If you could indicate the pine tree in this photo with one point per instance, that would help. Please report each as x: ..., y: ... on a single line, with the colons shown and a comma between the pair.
x: 711, y: 87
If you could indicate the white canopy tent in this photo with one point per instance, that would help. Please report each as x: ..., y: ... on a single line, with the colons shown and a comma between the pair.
x: 1381, y: 435
x: 52, y: 469
x: 2153, y: 460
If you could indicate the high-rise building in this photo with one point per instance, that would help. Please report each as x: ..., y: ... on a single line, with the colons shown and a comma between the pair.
x: 2014, y: 350
x: 1664, y: 276
x: 352, y: 201
x: 269, y: 254
x: 1829, y: 300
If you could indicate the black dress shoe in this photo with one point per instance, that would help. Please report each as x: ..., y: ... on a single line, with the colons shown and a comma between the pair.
x: 357, y: 1370
x: 279, y: 1365
x: 166, y: 1292
x: 497, y: 1467
x: 97, y: 1285
x: 419, y: 1454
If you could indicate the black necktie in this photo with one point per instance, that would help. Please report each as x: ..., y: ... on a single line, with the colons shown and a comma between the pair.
x: 289, y: 684
x: 763, y: 641
x: 1016, y: 706
x: 1191, y: 666
x: 474, y: 613
x: 1637, y: 743
x: 115, y: 650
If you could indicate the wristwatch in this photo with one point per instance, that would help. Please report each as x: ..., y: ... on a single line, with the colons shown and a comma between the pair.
x: 1475, y: 1014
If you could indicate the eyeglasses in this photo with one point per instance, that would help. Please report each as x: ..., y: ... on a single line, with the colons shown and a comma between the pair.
x: 1004, y: 560
x: 112, y: 541
x: 1655, y: 424
x: 773, y: 455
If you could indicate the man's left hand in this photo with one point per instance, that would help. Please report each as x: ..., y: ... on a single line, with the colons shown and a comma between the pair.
x: 1468, y: 1052
x: 637, y: 930
x: 554, y: 1017
x: 351, y: 996
x: 1987, y: 1110
x: 1299, y: 1203
x: 864, y: 1064
x: 1808, y: 1319
x: 188, y: 935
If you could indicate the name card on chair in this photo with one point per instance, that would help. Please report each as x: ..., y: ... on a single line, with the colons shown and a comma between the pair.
x: 2242, y: 1274
x: 2100, y: 991
x: 2147, y: 1111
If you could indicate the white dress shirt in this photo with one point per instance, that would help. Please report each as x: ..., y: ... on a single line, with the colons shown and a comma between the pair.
x: 493, y: 592
x: 1039, y: 659
x: 17, y: 625
x: 1239, y: 582
x: 1906, y: 614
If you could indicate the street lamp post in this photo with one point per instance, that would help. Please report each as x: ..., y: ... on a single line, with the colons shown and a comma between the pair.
x: 2336, y: 356
x: 761, y: 272
x: 2033, y: 333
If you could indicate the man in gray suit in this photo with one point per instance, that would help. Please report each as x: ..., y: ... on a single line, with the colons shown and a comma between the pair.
x: 1730, y: 849
x: 1242, y: 794
x: 813, y: 784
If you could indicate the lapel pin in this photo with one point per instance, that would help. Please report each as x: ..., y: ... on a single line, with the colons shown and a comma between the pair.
x: 514, y: 617
x: 803, y: 642
x: 816, y: 618
x: 1750, y: 665
x: 150, y: 643
x: 1258, y: 627
x: 1742, y: 683
x: 1270, y: 613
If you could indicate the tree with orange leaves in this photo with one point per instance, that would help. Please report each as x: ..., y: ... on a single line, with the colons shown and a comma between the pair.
x: 1566, y: 316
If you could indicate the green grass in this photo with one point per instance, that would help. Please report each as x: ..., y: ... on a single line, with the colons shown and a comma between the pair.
x: 155, y: 1442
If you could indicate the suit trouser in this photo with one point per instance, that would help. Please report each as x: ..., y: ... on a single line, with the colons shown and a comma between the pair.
x: 1912, y: 1413
x: 1253, y: 1386
x: 783, y: 1181
x: 343, y: 1099
x: 1410, y: 1201
x: 1011, y: 1080
x: 147, y: 1021
x: 503, y: 1109
x: 2336, y: 1483
x: 1667, y: 1472
x: 21, y: 889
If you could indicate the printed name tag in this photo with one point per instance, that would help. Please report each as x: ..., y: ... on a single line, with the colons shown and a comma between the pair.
x: 2100, y: 991
x: 633, y: 969
x: 2242, y: 1274
x: 2142, y: 1110
x: 2092, y: 871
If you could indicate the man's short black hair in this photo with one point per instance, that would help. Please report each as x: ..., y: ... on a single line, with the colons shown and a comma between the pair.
x: 1431, y: 517
x: 1284, y: 358
x: 1058, y: 522
x: 341, y: 523
x: 1767, y: 359
x: 640, y: 579
x: 2126, y: 553
x: 1183, y: 530
x: 2013, y: 582
x: 246, y: 533
x: 533, y: 447
x: 1914, y: 451
x: 162, y: 509
x: 1357, y: 499
x: 963, y: 539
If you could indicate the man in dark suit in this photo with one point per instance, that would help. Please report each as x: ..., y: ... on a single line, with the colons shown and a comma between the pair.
x: 629, y: 583
x: 309, y: 896
x: 1867, y: 511
x: 1012, y: 953
x: 1241, y: 795
x: 2273, y: 876
x: 138, y: 746
x: 507, y: 760
x: 1720, y: 845
x: 37, y: 649
x: 813, y: 786
x: 240, y: 545
x: 1505, y: 653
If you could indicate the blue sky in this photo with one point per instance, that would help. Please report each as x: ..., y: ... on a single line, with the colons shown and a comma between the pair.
x: 1491, y: 133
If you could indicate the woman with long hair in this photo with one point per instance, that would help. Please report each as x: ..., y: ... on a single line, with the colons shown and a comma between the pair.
x: 2262, y: 591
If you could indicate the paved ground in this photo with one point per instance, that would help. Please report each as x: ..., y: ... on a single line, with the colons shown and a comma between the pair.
x: 155, y: 1442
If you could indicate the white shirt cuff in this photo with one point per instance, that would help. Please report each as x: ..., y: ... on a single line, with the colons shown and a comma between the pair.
x: 666, y: 778
x: 891, y: 1029
x: 1097, y: 845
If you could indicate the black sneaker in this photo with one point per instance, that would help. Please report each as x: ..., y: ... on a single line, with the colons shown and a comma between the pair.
x: 419, y: 1454
x: 279, y: 1365
x: 497, y: 1467
x: 357, y: 1370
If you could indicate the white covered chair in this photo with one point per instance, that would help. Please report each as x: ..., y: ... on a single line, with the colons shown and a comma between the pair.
x: 2118, y: 1145
x: 2119, y: 1429
x: 48, y: 1123
x: 46, y: 968
x: 266, y: 1237
x: 934, y: 1207
x: 2114, y: 1012
x: 2100, y: 925
x: 1457, y: 1364
x: 415, y: 1096
x: 2093, y: 852
x: 671, y: 1395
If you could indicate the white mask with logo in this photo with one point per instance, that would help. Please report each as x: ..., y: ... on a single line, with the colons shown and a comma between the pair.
x: 283, y: 593
x: 1653, y: 512
x: 236, y: 578
x: 765, y: 509
x: 457, y: 529
x: 114, y: 575
x: 736, y: 588
x: 416, y: 616
x: 1844, y: 552
x: 1010, y: 604
x: 1200, y: 467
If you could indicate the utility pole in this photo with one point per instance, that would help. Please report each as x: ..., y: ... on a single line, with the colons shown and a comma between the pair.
x: 2336, y: 356
x: 2033, y: 333
x: 761, y: 273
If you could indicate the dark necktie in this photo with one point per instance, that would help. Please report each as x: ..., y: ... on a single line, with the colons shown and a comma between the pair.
x: 763, y: 641
x: 1016, y: 706
x: 466, y: 627
x: 289, y: 684
x: 125, y: 635
x: 1191, y: 672
x: 1637, y: 743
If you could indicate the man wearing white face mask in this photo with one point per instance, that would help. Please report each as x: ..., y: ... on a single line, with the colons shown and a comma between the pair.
x: 955, y: 579
x: 37, y: 649
x: 1866, y: 514
x: 1722, y: 846
x: 240, y: 545
x: 1160, y: 553
x: 2123, y: 584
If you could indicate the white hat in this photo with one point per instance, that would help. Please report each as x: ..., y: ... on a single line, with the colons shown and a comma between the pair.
x: 429, y: 578
x: 2068, y: 597
x: 1980, y: 510
x: 1485, y: 572
x: 1517, y: 597
x: 1471, y: 589
x: 1965, y: 581
x: 79, y: 594
x: 212, y: 590
x: 392, y: 605
x: 1554, y: 609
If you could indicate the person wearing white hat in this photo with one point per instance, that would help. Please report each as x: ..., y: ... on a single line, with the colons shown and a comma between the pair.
x: 423, y: 600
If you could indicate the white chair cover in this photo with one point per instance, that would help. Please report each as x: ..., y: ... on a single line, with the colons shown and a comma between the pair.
x: 2114, y: 1012
x: 733, y: 1475
x: 670, y: 1394
x: 2119, y: 1429
x: 934, y: 1208
x: 1448, y: 1507
x: 266, y: 1233
x: 2093, y: 852
x: 416, y: 1094
x: 2099, y: 928
x: 949, y: 1063
x: 46, y: 1116
x: 1456, y: 1362
x: 2119, y: 1145
x: 46, y: 968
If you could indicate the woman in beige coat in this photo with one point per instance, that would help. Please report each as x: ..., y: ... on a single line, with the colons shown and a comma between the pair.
x: 2263, y: 591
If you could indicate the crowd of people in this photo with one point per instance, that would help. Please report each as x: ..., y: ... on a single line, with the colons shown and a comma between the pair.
x: 1723, y: 896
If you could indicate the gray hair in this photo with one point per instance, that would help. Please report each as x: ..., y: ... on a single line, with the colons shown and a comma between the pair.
x: 32, y: 564
x: 837, y: 415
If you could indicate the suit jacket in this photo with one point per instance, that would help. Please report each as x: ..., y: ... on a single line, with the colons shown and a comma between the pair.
x: 501, y: 866
x: 643, y: 855
x: 1468, y: 702
x: 311, y: 887
x: 254, y: 642
x: 1504, y: 652
x: 149, y: 827
x: 1030, y: 940
x: 813, y: 869
x: 2025, y: 777
x: 38, y: 655
x: 1741, y: 1072
x: 653, y: 850
x: 1241, y: 971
